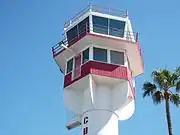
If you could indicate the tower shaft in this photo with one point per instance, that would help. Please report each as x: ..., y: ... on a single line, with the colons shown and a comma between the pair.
x: 99, y: 122
x: 98, y: 117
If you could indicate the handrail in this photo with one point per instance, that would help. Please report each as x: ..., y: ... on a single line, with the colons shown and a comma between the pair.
x: 109, y: 11
x: 99, y: 9
x: 78, y: 15
x: 127, y: 35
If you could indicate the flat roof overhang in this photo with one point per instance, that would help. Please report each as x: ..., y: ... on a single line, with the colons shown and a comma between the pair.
x: 131, y: 47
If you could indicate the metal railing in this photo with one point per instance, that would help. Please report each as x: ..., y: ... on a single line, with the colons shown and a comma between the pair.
x: 99, y: 9
x: 96, y: 29
x: 109, y: 11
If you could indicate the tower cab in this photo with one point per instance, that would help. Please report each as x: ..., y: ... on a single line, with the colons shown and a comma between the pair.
x: 98, y: 41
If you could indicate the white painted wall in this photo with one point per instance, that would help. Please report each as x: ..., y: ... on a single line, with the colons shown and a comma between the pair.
x: 103, y: 97
x: 103, y: 106
x: 120, y: 95
x: 122, y: 105
x: 100, y: 122
x: 73, y: 100
x: 87, y: 100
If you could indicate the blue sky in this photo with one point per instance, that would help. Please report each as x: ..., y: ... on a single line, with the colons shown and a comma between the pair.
x: 31, y: 85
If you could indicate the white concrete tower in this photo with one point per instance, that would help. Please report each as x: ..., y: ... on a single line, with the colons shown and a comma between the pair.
x: 99, y: 57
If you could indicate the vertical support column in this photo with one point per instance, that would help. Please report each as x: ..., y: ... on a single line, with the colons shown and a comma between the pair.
x: 137, y: 36
x: 99, y: 118
x: 90, y: 23
x: 91, y: 52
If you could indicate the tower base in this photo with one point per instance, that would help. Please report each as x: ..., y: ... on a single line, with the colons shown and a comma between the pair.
x: 99, y: 122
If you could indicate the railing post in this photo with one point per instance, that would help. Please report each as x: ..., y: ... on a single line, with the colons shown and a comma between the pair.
x: 90, y: 7
x: 126, y: 13
x: 137, y: 36
x: 109, y: 10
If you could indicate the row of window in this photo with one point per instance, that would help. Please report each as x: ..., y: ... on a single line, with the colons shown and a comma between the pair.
x: 108, y: 26
x: 85, y: 58
x: 78, y: 30
x: 101, y: 55
x: 116, y: 57
x: 100, y: 25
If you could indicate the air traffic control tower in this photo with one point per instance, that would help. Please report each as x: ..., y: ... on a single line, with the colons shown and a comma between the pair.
x: 100, y: 57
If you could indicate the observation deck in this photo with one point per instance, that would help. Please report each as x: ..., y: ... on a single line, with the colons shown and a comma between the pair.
x: 86, y: 25
x: 103, y: 27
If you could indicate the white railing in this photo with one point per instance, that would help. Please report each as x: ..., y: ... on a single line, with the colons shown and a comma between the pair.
x: 96, y: 29
x: 99, y: 9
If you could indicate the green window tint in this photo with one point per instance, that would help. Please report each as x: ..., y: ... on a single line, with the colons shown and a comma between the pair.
x: 85, y: 56
x: 69, y: 65
x: 117, y: 57
x: 83, y: 26
x: 100, y: 25
x: 116, y: 28
x: 100, y: 54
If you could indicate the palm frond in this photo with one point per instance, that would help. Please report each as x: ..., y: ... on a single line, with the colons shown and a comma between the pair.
x: 158, y: 97
x: 178, y: 70
x: 172, y: 80
x: 148, y: 89
x: 175, y: 99
x: 159, y: 78
x: 178, y: 86
x: 165, y: 79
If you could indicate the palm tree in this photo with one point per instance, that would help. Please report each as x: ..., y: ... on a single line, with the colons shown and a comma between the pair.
x: 160, y: 90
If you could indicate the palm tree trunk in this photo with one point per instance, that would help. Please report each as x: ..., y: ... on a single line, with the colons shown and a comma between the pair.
x: 168, y: 117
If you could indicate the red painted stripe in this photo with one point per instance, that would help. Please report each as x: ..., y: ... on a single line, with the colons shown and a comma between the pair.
x: 102, y: 69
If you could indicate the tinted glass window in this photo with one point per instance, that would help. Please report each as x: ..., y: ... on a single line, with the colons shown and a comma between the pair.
x: 117, y: 57
x: 116, y: 28
x: 85, y: 55
x: 100, y: 54
x: 82, y: 26
x: 69, y: 66
x: 100, y: 25
x: 72, y: 34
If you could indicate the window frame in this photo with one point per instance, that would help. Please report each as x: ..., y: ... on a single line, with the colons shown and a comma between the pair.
x: 87, y: 48
x: 108, y: 25
x: 110, y: 61
x: 100, y: 25
x: 82, y: 21
x: 111, y: 21
x: 70, y: 33
x: 108, y: 54
x: 72, y: 58
x: 101, y: 49
x: 77, y: 28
